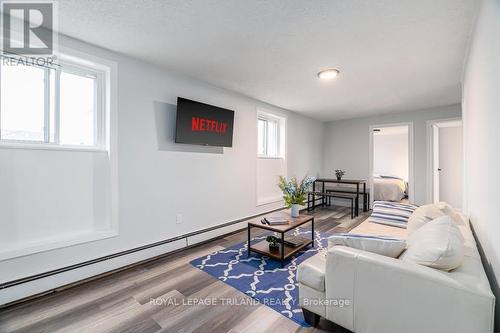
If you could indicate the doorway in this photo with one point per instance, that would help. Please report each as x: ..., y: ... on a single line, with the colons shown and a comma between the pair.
x: 391, y: 162
x: 445, y: 169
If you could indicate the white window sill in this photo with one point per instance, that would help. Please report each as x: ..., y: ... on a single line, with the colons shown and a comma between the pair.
x: 46, y: 244
x: 41, y: 146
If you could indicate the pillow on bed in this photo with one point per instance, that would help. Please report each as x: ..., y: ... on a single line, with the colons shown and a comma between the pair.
x: 386, y: 246
x: 391, y: 213
x: 427, y: 213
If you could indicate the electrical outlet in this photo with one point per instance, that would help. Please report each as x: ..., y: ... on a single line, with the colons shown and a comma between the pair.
x: 178, y: 219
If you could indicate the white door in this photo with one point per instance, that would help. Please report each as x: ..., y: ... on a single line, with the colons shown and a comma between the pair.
x: 450, y: 164
x: 435, y: 162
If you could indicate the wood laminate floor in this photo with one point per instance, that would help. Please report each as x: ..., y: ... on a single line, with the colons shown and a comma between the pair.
x: 121, y: 302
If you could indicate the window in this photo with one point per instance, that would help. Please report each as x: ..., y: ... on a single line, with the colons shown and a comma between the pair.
x: 270, y: 136
x: 77, y: 110
x: 52, y: 107
x: 22, y: 118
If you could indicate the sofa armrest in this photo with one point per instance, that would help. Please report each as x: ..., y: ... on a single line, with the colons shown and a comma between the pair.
x: 390, y: 295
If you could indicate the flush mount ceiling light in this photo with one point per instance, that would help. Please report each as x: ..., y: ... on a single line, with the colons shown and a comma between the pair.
x: 328, y: 74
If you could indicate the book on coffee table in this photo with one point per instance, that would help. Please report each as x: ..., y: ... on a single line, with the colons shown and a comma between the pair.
x: 295, y: 241
x: 275, y: 220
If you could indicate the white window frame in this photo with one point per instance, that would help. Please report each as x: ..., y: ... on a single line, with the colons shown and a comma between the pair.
x: 99, y: 118
x: 280, y: 135
x: 110, y: 228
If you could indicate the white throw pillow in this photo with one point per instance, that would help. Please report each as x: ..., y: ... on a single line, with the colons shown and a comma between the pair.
x: 438, y: 244
x: 454, y: 214
x: 425, y: 214
x: 386, y: 246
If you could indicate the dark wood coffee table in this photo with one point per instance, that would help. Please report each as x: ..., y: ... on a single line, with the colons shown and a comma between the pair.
x: 285, y: 251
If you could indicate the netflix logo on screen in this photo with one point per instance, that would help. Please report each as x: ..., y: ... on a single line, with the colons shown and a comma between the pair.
x: 203, y: 124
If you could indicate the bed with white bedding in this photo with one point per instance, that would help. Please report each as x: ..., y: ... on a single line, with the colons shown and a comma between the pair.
x: 387, y: 188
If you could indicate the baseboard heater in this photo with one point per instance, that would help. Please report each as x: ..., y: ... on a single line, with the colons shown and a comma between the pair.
x: 31, y: 278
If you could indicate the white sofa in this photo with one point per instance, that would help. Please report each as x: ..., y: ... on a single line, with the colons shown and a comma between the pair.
x: 390, y: 295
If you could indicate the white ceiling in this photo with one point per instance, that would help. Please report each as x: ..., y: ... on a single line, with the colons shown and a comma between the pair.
x: 394, y: 55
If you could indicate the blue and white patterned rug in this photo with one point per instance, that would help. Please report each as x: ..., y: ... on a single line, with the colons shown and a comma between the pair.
x: 263, y: 278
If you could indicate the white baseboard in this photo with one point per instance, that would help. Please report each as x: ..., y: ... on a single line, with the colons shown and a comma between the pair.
x: 42, y: 285
x: 72, y: 275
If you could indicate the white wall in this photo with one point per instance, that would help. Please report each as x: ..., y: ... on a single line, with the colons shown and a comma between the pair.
x: 156, y: 179
x: 390, y: 155
x: 451, y: 165
x: 68, y: 183
x: 347, y: 143
x: 268, y: 171
x: 481, y: 104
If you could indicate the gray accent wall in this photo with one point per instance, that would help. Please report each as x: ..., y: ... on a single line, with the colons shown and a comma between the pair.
x: 346, y: 143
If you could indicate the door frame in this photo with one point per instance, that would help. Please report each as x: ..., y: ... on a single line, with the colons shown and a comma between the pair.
x: 411, y: 159
x: 431, y: 125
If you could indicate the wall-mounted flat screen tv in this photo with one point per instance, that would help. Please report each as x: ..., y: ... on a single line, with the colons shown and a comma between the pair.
x: 203, y: 124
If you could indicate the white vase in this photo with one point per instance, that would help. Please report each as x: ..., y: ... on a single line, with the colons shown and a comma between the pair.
x: 295, y: 210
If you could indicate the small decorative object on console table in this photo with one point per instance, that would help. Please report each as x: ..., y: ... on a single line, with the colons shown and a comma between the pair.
x: 339, y: 173
x: 294, y: 193
x: 273, y: 243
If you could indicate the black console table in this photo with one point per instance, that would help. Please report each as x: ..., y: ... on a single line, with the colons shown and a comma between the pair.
x: 359, y: 190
